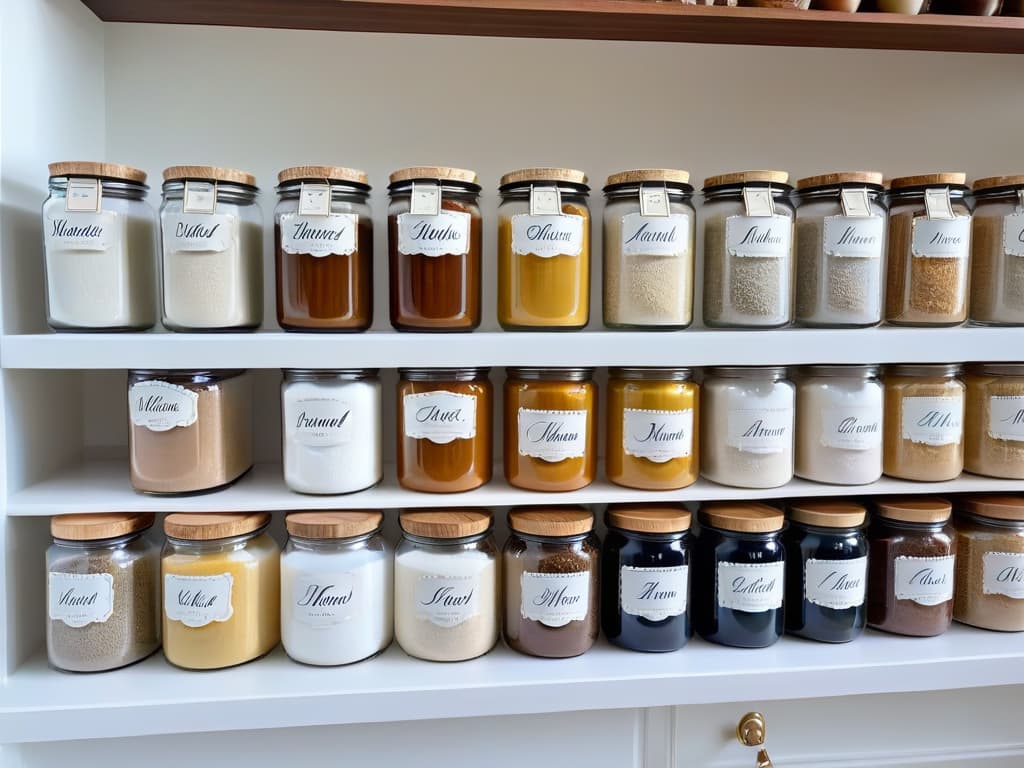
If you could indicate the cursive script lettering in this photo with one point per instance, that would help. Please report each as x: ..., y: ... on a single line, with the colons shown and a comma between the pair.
x: 157, y: 404
x: 761, y: 236
x: 548, y: 233
x: 757, y: 429
x: 197, y: 599
x: 70, y: 597
x: 839, y: 582
x: 851, y: 237
x: 652, y: 591
x: 307, y: 422
x: 937, y: 420
x: 850, y: 426
x: 741, y: 585
x: 424, y: 230
x: 449, y: 598
x: 645, y: 234
x: 318, y: 596
x: 926, y: 577
x: 940, y: 238
x: 431, y: 413
x: 556, y: 598
x: 550, y: 432
x: 301, y: 230
x: 61, y: 228
x: 659, y: 433
x: 197, y: 231
x: 1011, y: 574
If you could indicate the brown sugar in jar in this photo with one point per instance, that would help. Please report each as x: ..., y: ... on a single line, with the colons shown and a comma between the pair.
x: 923, y: 422
x: 994, y: 431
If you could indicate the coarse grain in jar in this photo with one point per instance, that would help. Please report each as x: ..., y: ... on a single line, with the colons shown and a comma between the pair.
x: 923, y: 422
x: 997, y: 251
x: 994, y: 420
x: 990, y: 562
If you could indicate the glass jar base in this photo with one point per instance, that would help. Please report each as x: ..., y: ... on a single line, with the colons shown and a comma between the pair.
x: 197, y: 491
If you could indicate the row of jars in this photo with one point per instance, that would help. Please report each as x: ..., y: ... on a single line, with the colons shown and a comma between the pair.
x: 338, y: 593
x: 747, y: 427
x: 773, y: 255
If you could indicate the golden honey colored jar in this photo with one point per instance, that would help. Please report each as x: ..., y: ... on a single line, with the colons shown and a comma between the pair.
x: 923, y: 422
x: 994, y: 427
x: 652, y: 428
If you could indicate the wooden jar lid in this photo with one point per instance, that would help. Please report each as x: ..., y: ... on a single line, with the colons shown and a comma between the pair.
x: 649, y: 518
x: 323, y: 173
x: 99, y: 170
x: 996, y: 506
x: 207, y: 526
x: 993, y: 182
x: 565, y: 175
x: 929, y: 179
x: 667, y: 175
x: 332, y: 525
x: 438, y: 172
x: 445, y: 525
x: 209, y: 173
x: 828, y: 513
x: 551, y: 521
x: 742, y: 517
x: 914, y: 509
x: 99, y: 525
x: 745, y: 177
x: 845, y: 177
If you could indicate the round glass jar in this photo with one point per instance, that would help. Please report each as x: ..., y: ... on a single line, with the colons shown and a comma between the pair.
x: 747, y: 427
x: 923, y: 422
x: 103, y: 591
x: 839, y: 424
x: 444, y: 429
x: 188, y: 431
x: 645, y: 574
x: 990, y: 562
x: 748, y: 250
x: 331, y: 429
x: 551, y: 569
x: 323, y: 244
x: 740, y: 562
x: 99, y: 243
x: 840, y: 244
x: 649, y: 233
x: 910, y: 566
x: 337, y: 587
x: 446, y: 585
x: 212, y: 249
x: 994, y: 421
x: 434, y: 247
x: 222, y: 589
x: 652, y: 428
x: 543, y: 250
x: 997, y: 251
x: 826, y: 570
x: 929, y: 246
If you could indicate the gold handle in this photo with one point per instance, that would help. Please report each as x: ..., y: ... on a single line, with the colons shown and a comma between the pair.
x: 751, y: 731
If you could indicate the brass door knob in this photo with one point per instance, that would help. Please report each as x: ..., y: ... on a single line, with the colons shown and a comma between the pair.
x: 751, y: 729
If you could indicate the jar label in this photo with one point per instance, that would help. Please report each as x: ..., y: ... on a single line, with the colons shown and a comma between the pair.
x: 80, y: 599
x: 440, y: 416
x: 314, y: 199
x: 196, y: 601
x: 447, y: 601
x: 446, y: 234
x: 83, y: 195
x: 552, y: 435
x: 1006, y: 417
x: 547, y: 236
x: 760, y: 424
x: 657, y: 436
x: 318, y: 421
x: 332, y: 235
x: 1013, y: 234
x: 81, y: 231
x: 1003, y: 574
x: 555, y: 599
x: 655, y: 236
x: 836, y: 584
x: 942, y: 239
x: 160, y: 406
x: 326, y: 599
x: 766, y: 237
x: 654, y: 594
x: 925, y: 580
x: 932, y: 420
x: 848, y: 236
x: 199, y: 232
x: 750, y: 587
x: 854, y: 428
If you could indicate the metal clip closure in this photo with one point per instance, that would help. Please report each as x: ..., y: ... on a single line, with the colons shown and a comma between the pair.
x: 855, y: 202
x: 654, y: 201
x: 545, y: 201
x: 314, y: 199
x: 425, y: 199
x: 84, y: 195
x: 751, y: 731
x: 199, y: 197
x: 758, y: 201
x: 1020, y: 201
x: 938, y: 205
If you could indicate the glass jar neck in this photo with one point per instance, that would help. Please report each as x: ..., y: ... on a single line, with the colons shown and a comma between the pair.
x: 773, y: 375
x: 329, y: 545
x: 744, y: 535
x: 551, y: 374
x: 577, y: 538
x: 655, y: 538
x: 465, y: 192
x: 453, y: 543
x: 1017, y: 526
x: 114, y: 543
x: 227, y: 192
x: 443, y: 374
x: 820, y: 530
x: 834, y: 193
x: 677, y: 193
x: 125, y: 190
x: 340, y: 191
x: 650, y: 374
x: 905, y: 525
x: 354, y: 374
x: 216, y: 545
x: 780, y: 192
x: 916, y: 194
x: 568, y: 193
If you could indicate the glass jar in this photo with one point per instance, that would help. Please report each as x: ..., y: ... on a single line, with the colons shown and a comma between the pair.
x: 648, y: 250
x: 645, y: 571
x: 910, y: 566
x: 748, y: 250
x: 997, y: 251
x: 446, y: 585
x: 103, y: 591
x: 652, y: 428
x: 212, y: 249
x: 839, y: 424
x: 740, y: 561
x: 552, y: 564
x: 189, y: 430
x: 747, y: 427
x: 337, y: 587
x: 100, y: 248
x: 826, y: 570
x: 222, y: 589
x: 444, y: 429
x: 331, y: 429
x: 928, y: 250
x: 543, y: 250
x: 323, y: 242
x: 550, y: 428
x: 994, y: 422
x: 434, y: 246
x: 990, y: 562
x: 840, y: 241
x: 923, y: 422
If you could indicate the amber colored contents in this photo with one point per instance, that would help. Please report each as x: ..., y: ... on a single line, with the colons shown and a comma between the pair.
x: 985, y: 454
x: 904, y: 458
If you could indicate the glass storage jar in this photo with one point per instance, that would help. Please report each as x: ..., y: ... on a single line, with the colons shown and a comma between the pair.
x: 103, y: 591
x: 222, y: 589
x: 444, y: 429
x: 923, y: 422
x: 323, y: 243
x: 337, y: 587
x: 99, y: 241
x: 543, y: 249
x: 990, y: 562
x: 551, y: 570
x: 651, y: 428
x: 997, y: 251
x: 929, y: 247
x: 189, y: 431
x: 446, y: 585
x: 645, y: 574
x: 434, y: 246
x: 748, y: 250
x: 994, y: 421
x: 910, y: 566
x: 331, y: 429
x: 212, y: 236
x: 840, y: 242
x: 648, y: 250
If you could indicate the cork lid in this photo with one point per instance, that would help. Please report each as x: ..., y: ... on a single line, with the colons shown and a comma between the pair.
x: 446, y: 525
x: 929, y: 179
x: 332, y: 525
x: 649, y: 518
x: 996, y: 506
x: 873, y: 178
x: 828, y: 513
x: 99, y: 525
x: 565, y: 175
x: 439, y: 172
x: 99, y: 170
x: 667, y: 175
x: 322, y: 172
x: 914, y: 509
x: 207, y: 526
x: 209, y: 173
x: 746, y: 177
x: 742, y: 517
x: 994, y: 182
x: 551, y: 521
